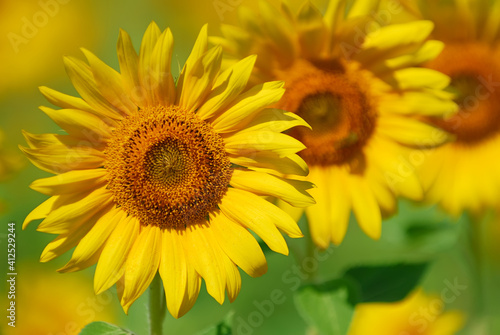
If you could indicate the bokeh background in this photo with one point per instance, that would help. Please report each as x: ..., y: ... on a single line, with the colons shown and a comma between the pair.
x: 34, y: 36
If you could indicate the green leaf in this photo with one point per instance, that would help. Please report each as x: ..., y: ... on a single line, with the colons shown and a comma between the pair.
x: 327, y: 307
x: 385, y: 283
x: 104, y: 328
x: 222, y: 328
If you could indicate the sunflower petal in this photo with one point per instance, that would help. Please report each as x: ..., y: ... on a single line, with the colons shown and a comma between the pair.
x: 180, y: 280
x: 227, y: 87
x: 239, y: 245
x: 142, y: 264
x: 65, y: 101
x: 203, y: 251
x: 292, y: 191
x: 70, y: 181
x: 245, y: 143
x: 272, y: 163
x: 111, y: 265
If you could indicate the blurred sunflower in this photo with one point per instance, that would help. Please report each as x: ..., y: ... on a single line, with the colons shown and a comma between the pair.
x: 154, y: 175
x: 45, y: 28
x: 419, y: 313
x: 463, y: 175
x: 50, y: 304
x: 356, y: 84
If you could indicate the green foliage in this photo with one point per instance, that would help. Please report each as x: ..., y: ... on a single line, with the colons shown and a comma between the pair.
x: 326, y: 307
x: 385, y: 283
x: 103, y: 328
x: 222, y: 328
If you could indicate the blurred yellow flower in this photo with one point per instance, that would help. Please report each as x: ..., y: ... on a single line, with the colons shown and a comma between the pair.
x: 463, y: 175
x: 9, y: 161
x: 419, y: 313
x: 46, y: 303
x: 356, y: 84
x: 154, y: 175
x: 35, y: 32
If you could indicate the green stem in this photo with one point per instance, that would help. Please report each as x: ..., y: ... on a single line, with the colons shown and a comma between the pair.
x: 157, y: 308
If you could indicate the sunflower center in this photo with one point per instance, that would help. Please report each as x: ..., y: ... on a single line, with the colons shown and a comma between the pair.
x: 475, y: 73
x: 167, y: 167
x: 331, y: 98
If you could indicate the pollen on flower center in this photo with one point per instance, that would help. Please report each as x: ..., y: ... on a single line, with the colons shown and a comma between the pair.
x: 167, y: 167
x: 474, y: 71
x: 333, y: 102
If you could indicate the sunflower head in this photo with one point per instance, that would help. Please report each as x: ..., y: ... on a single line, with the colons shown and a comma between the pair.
x: 355, y: 79
x: 154, y: 175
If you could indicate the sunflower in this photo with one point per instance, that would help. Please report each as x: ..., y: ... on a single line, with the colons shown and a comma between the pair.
x: 419, y: 313
x: 463, y: 174
x: 157, y: 176
x: 358, y: 86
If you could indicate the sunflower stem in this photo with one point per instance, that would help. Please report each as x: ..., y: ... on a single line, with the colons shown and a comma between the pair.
x: 157, y: 306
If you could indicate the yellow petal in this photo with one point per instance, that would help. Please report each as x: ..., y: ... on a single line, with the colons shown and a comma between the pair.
x: 41, y: 211
x: 92, y: 243
x: 61, y: 159
x: 428, y: 51
x: 365, y: 206
x: 198, y: 82
x: 340, y: 204
x: 292, y: 191
x: 410, y: 131
x: 83, y: 81
x: 363, y: 8
x: 65, y: 101
x: 145, y: 78
x: 80, y: 124
x: 278, y: 30
x: 110, y: 84
x: 142, y: 264
x: 70, y: 181
x: 206, y: 256
x: 271, y: 162
x: 421, y: 103
x: 180, y: 280
x: 261, y: 216
x: 77, y: 212
x: 227, y: 87
x: 312, y: 30
x: 395, y: 40
x: 245, y: 143
x: 129, y: 67
x: 233, y: 278
x: 162, y: 79
x: 239, y: 244
x: 318, y: 215
x: 111, y: 265
x: 249, y: 103
x: 417, y: 78
x: 275, y: 120
x: 64, y: 242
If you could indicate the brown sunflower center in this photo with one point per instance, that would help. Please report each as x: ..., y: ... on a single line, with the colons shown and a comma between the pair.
x: 475, y: 73
x: 331, y: 98
x: 167, y: 167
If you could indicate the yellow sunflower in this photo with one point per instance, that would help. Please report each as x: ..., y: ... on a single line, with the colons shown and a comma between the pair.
x: 157, y: 176
x: 463, y: 175
x: 419, y: 313
x: 358, y: 86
